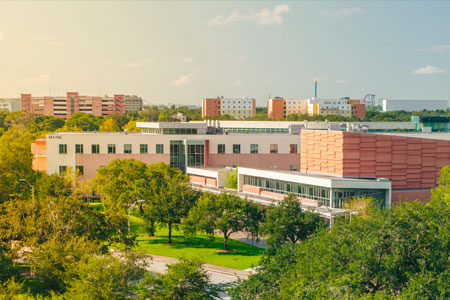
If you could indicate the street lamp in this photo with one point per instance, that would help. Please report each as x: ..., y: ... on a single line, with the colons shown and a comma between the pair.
x: 32, y: 188
x: 129, y: 214
x: 331, y: 213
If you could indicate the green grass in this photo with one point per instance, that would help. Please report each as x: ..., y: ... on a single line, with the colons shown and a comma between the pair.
x: 242, y: 256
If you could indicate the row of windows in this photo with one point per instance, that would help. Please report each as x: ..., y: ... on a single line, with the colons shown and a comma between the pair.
x: 254, y: 148
x: 95, y: 148
x: 79, y: 170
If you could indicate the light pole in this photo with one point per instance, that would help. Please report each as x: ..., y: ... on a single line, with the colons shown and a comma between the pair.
x: 32, y: 188
x: 129, y: 214
x: 331, y: 213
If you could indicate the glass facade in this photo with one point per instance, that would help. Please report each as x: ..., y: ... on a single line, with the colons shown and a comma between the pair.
x: 255, y: 130
x: 177, y: 155
x: 313, y: 192
x: 169, y: 130
x: 196, y: 155
x: 159, y: 148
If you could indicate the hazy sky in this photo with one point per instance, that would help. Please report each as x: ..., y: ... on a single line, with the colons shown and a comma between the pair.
x: 179, y: 52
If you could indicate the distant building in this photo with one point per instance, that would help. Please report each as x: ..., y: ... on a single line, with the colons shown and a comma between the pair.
x: 65, y: 106
x: 279, y: 108
x: 10, y: 104
x: 238, y: 108
x: 133, y: 103
x: 180, y: 117
x: 413, y: 105
x: 336, y: 107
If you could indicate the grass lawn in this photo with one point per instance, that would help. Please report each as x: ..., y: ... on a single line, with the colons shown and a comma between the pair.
x: 242, y: 256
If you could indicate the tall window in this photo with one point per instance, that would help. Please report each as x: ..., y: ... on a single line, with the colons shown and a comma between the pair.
x: 62, y: 148
x: 143, y: 148
x: 95, y: 148
x: 254, y: 148
x: 221, y: 148
x: 236, y: 148
x: 111, y: 148
x: 293, y: 148
x: 159, y: 148
x: 127, y: 148
x: 79, y: 148
x: 62, y: 169
x: 293, y: 167
x: 80, y: 170
x: 273, y: 148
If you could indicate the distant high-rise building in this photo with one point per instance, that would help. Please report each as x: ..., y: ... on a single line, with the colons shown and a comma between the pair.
x: 133, y: 103
x: 279, y: 108
x: 238, y: 108
x: 65, y: 106
x: 10, y: 104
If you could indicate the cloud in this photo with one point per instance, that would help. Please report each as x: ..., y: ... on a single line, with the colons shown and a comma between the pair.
x: 263, y: 17
x: 343, y: 12
x: 439, y: 48
x: 33, y: 80
x: 182, y: 80
x: 342, y: 81
x: 48, y: 39
x: 428, y: 70
x: 238, y: 83
x: 188, y: 60
x: 135, y: 64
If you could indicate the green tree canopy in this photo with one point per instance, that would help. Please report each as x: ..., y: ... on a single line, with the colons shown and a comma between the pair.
x: 226, y: 213
x: 86, y: 122
x: 109, y: 125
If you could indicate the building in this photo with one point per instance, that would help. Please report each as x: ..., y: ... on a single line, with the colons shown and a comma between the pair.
x: 432, y: 123
x: 10, y: 104
x: 411, y: 161
x: 413, y: 105
x: 65, y: 106
x: 133, y: 103
x: 279, y: 108
x: 238, y: 108
x: 179, y: 144
x: 336, y: 107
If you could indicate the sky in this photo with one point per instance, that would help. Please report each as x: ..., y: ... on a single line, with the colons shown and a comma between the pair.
x: 179, y: 52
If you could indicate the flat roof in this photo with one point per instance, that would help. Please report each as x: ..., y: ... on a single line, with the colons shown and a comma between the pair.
x: 161, y: 125
x: 444, y: 136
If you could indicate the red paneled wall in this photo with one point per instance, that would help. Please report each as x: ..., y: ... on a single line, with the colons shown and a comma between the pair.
x: 410, y: 163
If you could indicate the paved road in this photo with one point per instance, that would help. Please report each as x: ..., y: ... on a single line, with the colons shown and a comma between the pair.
x: 218, y: 274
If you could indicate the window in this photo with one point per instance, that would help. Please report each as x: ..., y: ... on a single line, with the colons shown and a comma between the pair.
x: 80, y: 170
x: 273, y: 148
x: 111, y: 148
x: 293, y: 148
x: 273, y: 167
x: 236, y: 148
x: 62, y: 169
x: 143, y: 148
x: 62, y: 148
x: 159, y: 148
x: 221, y: 148
x: 79, y: 148
x: 127, y: 148
x: 95, y: 148
x: 254, y: 148
x: 293, y: 167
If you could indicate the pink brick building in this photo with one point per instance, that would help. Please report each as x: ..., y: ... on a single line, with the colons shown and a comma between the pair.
x: 64, y: 107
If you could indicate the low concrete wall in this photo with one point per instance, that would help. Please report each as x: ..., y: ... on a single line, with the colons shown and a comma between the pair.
x: 197, y: 179
x: 251, y: 189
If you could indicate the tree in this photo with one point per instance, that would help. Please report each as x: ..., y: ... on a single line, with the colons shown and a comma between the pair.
x: 232, y: 178
x: 184, y: 280
x: 107, y: 277
x: 55, y: 261
x: 172, y: 195
x: 288, y: 223
x: 86, y: 122
x: 131, y: 126
x: 226, y: 213
x: 109, y: 125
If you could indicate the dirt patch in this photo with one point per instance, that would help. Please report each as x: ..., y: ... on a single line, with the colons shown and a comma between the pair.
x: 224, y: 251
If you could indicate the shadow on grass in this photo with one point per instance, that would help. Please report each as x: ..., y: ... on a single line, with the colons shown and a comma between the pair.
x: 204, y: 242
